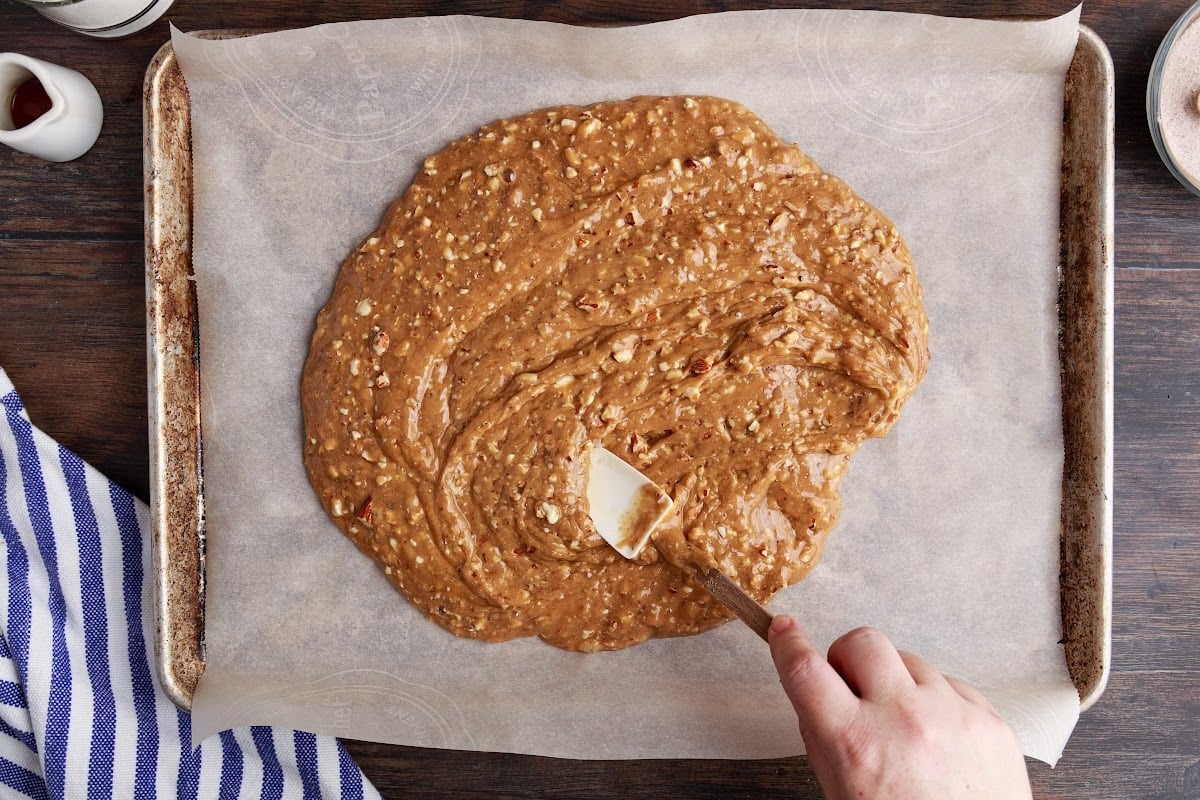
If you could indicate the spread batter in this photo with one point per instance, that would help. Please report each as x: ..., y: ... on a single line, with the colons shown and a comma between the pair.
x: 662, y: 276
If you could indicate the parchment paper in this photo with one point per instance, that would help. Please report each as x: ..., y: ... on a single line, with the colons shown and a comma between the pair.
x: 949, y: 533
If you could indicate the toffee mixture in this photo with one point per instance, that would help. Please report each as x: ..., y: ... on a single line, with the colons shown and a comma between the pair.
x: 661, y: 276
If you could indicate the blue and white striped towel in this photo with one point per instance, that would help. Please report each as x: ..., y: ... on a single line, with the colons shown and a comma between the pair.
x: 81, y: 711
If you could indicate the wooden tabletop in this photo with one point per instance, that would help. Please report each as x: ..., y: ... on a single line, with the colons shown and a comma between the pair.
x: 72, y: 338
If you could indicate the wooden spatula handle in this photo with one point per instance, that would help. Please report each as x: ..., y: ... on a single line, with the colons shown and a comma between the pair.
x: 736, y: 600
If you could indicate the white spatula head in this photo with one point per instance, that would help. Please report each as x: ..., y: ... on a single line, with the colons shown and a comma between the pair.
x: 625, y: 505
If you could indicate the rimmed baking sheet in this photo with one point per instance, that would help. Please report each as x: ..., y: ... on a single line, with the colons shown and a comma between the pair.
x: 1086, y: 309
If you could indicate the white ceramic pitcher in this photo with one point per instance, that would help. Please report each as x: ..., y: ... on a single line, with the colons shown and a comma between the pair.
x: 71, y: 125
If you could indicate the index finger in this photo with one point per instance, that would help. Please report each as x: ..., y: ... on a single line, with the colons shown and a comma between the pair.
x: 821, y: 698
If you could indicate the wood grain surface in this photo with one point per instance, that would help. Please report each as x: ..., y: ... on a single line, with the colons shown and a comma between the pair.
x: 72, y: 338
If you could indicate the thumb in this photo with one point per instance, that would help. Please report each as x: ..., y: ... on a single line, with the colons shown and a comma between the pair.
x: 821, y: 698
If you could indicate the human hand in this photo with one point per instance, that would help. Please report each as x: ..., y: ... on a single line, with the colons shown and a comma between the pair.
x: 880, y: 723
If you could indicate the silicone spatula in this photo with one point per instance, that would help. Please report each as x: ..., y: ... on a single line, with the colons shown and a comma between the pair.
x: 626, y: 507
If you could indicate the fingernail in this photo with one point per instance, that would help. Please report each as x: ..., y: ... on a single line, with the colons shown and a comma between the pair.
x: 781, y: 623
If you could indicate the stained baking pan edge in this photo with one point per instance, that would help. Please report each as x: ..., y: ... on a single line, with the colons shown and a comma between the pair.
x: 173, y: 370
x: 1086, y: 352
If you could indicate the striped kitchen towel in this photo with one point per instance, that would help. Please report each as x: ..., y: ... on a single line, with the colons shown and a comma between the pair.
x: 81, y: 711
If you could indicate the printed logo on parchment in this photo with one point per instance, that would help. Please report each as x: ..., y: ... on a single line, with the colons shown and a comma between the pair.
x: 917, y: 116
x: 400, y: 708
x: 353, y: 100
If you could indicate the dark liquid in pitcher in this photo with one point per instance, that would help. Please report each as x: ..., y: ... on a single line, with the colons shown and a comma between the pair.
x: 29, y: 102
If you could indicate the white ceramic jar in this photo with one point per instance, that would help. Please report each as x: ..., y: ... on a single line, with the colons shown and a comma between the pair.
x: 1173, y: 100
x: 104, y: 18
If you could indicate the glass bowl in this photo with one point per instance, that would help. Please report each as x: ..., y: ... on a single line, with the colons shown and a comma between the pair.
x: 1191, y: 179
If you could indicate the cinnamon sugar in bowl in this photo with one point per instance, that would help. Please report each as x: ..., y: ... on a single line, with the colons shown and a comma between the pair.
x: 1173, y: 99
